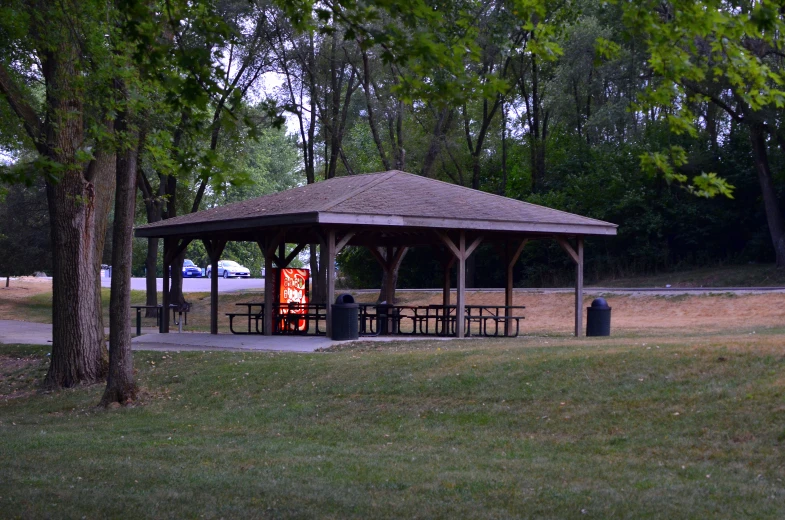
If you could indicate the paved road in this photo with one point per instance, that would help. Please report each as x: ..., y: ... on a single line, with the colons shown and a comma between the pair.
x: 200, y: 284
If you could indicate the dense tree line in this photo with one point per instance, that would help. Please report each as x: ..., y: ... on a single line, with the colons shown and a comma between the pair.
x: 663, y: 117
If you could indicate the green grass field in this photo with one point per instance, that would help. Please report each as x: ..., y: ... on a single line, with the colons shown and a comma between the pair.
x: 537, y: 427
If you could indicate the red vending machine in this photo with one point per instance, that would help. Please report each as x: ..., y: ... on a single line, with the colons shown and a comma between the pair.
x: 291, y: 286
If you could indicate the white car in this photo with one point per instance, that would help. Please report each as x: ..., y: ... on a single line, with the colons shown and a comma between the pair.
x: 230, y: 269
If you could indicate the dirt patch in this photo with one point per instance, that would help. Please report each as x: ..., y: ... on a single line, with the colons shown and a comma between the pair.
x: 24, y: 287
x: 15, y: 298
x: 554, y: 312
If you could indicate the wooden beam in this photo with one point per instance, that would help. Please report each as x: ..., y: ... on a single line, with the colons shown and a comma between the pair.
x: 291, y: 256
x: 447, y: 263
x: 460, y: 307
x: 269, y: 285
x: 579, y: 290
x: 510, y: 258
x: 568, y: 248
x: 518, y: 252
x: 471, y: 248
x: 449, y: 243
x: 214, y: 250
x: 330, y: 266
x: 345, y: 240
x: 164, y: 325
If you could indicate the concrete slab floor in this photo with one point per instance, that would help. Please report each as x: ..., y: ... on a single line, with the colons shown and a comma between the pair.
x: 12, y: 331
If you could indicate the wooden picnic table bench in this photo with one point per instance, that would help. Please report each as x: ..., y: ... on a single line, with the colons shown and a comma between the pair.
x: 177, y: 316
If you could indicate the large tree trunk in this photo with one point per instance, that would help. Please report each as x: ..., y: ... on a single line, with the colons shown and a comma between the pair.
x: 76, y: 342
x: 176, y: 296
x: 442, y: 123
x: 102, y: 173
x: 384, y: 296
x: 120, y: 386
x: 770, y: 204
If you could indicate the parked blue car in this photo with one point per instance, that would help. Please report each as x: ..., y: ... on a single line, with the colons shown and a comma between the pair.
x: 190, y: 270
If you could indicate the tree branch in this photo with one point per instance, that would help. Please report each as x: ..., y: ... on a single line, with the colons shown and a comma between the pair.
x: 16, y: 99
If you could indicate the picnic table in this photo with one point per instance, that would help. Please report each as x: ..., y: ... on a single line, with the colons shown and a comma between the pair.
x: 178, y: 320
x: 376, y: 319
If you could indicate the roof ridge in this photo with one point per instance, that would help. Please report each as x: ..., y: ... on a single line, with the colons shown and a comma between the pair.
x: 383, y: 176
x: 506, y: 198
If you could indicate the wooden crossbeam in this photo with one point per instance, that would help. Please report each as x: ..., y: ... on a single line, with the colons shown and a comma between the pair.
x: 291, y: 256
x: 472, y: 247
x: 449, y: 243
x: 568, y: 248
x: 345, y: 240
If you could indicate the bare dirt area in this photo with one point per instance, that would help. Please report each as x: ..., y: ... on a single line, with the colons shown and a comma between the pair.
x: 637, y: 312
x: 545, y: 313
x: 24, y: 287
x: 19, y: 292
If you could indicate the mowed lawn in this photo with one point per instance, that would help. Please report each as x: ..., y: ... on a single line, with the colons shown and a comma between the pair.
x: 537, y: 427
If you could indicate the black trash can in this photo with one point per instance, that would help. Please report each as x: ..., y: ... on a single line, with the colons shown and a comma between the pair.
x: 598, y: 318
x: 386, y: 319
x: 345, y: 318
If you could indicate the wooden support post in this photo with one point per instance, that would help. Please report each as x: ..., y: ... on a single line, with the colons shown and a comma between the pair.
x: 330, y: 266
x: 460, y: 304
x: 510, y: 258
x: 268, y: 250
x: 446, y: 287
x: 461, y: 253
x: 164, y: 324
x: 579, y: 290
x: 214, y: 250
x: 577, y: 257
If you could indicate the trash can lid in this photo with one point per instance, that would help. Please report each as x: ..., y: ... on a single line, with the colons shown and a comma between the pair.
x: 344, y: 298
x: 599, y: 303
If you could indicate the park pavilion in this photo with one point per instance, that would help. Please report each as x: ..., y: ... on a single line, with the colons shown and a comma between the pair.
x: 385, y: 212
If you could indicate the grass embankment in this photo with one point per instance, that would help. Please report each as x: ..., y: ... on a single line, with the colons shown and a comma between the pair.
x: 536, y: 427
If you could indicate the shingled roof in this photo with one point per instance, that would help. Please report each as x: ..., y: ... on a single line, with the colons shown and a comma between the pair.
x: 392, y: 198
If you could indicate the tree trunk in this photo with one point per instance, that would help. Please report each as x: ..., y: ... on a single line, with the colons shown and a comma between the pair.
x: 102, y: 173
x: 383, y: 292
x: 176, y: 296
x: 770, y: 204
x: 76, y: 343
x: 442, y: 123
x: 120, y: 386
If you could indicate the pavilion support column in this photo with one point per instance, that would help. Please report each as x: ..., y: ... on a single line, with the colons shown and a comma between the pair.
x: 164, y: 321
x: 448, y: 262
x: 268, y: 247
x: 579, y: 290
x: 577, y: 256
x: 510, y: 258
x: 214, y: 250
x: 330, y: 289
x: 461, y: 253
x: 460, y: 301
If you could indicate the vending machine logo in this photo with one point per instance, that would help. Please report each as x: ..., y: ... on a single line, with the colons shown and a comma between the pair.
x: 294, y: 298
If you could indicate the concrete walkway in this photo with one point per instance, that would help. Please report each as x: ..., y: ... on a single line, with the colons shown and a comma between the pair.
x: 25, y: 332
x: 28, y: 333
x: 230, y: 342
